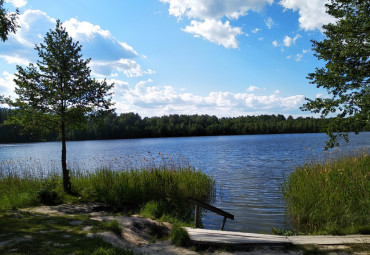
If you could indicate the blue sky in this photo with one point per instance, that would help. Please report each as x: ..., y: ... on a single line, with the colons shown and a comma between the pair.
x: 218, y: 57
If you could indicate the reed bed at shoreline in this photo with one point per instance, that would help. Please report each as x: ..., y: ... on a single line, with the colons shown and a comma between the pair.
x: 167, y: 183
x: 331, y: 197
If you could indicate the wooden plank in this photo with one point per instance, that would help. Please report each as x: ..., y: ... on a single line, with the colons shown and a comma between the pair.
x: 206, y: 236
x: 329, y: 240
x: 215, y: 237
x: 210, y: 208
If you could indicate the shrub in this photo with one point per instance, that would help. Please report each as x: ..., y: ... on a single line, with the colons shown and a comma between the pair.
x: 48, y: 194
x: 179, y: 236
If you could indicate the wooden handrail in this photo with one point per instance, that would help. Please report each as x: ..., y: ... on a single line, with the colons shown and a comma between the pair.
x: 199, y: 203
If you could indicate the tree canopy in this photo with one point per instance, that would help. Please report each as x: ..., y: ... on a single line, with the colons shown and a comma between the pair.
x: 57, y: 93
x: 8, y: 22
x: 345, y: 76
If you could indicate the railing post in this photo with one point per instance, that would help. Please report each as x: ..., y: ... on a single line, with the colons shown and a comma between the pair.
x: 223, y: 224
x: 198, y: 204
x: 196, y: 216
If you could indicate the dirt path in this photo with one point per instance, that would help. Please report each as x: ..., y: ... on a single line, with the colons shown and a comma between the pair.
x: 137, y: 234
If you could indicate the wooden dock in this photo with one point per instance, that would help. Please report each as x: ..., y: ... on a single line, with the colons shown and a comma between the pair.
x: 215, y: 237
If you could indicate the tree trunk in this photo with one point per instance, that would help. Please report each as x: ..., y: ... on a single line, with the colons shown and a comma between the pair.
x: 66, y: 177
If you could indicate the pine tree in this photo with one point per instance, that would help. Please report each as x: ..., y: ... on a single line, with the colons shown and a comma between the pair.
x: 346, y: 52
x: 57, y: 93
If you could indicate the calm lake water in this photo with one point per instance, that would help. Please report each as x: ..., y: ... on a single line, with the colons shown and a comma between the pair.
x: 248, y: 170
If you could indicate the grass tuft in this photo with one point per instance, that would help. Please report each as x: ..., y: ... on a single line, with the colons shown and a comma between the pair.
x: 179, y: 236
x: 114, y: 227
x: 161, y: 189
x: 332, y: 197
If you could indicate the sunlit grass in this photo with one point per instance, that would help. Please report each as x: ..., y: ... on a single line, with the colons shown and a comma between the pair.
x: 332, y: 196
x: 168, y: 183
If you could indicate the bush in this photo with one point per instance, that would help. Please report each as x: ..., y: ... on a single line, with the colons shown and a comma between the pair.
x: 49, y: 195
x: 179, y: 236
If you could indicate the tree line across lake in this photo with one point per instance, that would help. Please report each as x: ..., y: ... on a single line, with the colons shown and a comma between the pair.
x: 131, y: 125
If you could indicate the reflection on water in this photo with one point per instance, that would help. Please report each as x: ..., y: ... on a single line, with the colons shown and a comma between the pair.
x: 248, y: 170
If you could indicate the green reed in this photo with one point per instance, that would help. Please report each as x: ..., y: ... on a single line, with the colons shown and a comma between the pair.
x: 332, y: 196
x: 132, y: 189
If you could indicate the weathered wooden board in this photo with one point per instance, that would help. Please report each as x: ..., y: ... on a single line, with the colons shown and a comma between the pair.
x: 207, y: 236
x: 330, y: 240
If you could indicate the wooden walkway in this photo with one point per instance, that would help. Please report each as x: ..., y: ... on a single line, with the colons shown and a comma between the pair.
x: 215, y: 237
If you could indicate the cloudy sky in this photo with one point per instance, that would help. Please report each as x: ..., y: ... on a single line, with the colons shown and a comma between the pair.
x: 216, y: 57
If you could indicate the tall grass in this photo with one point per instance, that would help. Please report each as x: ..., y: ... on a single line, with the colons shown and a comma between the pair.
x: 134, y: 188
x: 332, y: 196
x: 168, y: 183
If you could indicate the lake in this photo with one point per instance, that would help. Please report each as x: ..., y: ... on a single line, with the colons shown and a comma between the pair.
x: 248, y: 170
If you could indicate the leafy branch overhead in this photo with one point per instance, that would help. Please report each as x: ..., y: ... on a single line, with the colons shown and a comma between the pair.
x: 345, y: 76
x: 8, y: 22
x: 57, y: 92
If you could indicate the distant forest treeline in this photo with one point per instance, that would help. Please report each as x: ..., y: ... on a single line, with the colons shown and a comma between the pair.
x: 131, y: 125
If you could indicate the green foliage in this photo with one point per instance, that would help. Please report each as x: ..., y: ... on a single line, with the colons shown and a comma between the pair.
x: 364, y: 230
x: 48, y: 194
x: 161, y: 191
x: 114, y: 227
x: 282, y: 232
x: 8, y: 22
x: 57, y: 92
x: 346, y: 53
x: 130, y: 125
x: 58, y: 89
x: 179, y: 236
x: 153, y: 210
x: 332, y: 197
x: 169, y: 188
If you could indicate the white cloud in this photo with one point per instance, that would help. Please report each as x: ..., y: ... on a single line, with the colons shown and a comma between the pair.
x: 84, y: 30
x: 252, y: 88
x: 298, y: 57
x: 15, y: 59
x: 215, y: 31
x: 150, y: 100
x: 99, y: 43
x: 320, y: 95
x: 33, y: 23
x: 128, y: 67
x: 312, y: 13
x: 7, y: 84
x: 109, y: 55
x: 213, y: 9
x: 256, y: 30
x: 275, y: 43
x: 288, y: 41
x: 17, y: 3
x: 206, y: 16
x: 269, y: 22
x: 19, y: 48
